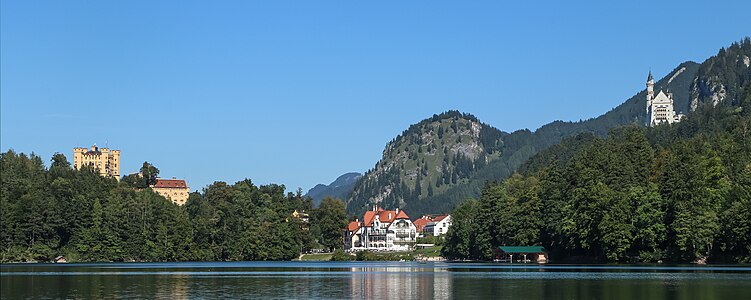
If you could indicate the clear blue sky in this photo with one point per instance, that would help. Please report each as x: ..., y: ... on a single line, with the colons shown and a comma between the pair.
x: 299, y: 92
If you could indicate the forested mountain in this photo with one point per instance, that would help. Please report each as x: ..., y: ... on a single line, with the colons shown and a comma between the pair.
x: 426, y: 160
x: 341, y: 188
x: 453, y: 154
x: 679, y: 193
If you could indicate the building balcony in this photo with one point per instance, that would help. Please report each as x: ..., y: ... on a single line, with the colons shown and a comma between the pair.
x: 376, y: 232
x: 406, y: 234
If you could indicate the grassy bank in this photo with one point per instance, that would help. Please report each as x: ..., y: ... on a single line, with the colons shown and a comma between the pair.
x: 316, y: 257
x: 429, y: 252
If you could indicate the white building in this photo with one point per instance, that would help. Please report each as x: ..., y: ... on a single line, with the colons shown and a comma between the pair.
x: 438, y: 226
x: 387, y: 230
x: 660, y: 108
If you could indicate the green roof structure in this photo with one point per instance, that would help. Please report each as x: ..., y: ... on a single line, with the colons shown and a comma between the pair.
x: 522, y: 249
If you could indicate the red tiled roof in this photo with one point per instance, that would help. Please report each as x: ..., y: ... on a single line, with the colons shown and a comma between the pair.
x: 170, y: 183
x: 439, y: 218
x: 353, y: 226
x: 402, y: 215
x: 368, y: 218
x: 386, y: 216
x: 420, y: 223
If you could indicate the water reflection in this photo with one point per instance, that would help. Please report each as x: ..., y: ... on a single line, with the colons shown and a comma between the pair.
x: 179, y: 287
x: 397, y: 282
x: 377, y: 280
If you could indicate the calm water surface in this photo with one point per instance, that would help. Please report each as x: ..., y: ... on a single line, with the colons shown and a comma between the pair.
x: 371, y: 280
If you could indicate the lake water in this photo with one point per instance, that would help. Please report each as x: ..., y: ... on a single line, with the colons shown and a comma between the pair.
x: 371, y: 280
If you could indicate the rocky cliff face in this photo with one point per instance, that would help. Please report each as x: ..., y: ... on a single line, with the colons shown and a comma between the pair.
x: 721, y: 77
x: 427, y: 159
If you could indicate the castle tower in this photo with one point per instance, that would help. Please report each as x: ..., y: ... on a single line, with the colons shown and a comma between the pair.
x: 650, y: 86
x: 650, y: 96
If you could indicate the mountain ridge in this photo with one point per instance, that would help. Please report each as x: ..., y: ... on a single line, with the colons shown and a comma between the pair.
x: 340, y: 188
x: 385, y: 187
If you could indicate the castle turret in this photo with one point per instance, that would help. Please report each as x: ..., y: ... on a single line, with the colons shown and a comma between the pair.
x: 650, y: 87
x: 650, y: 96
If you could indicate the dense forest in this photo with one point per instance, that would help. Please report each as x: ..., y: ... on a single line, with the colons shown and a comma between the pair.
x: 53, y: 211
x: 678, y: 192
x: 434, y: 152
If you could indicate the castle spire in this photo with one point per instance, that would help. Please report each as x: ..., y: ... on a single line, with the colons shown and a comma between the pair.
x: 650, y: 97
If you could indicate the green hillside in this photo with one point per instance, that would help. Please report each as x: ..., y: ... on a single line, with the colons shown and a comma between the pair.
x: 452, y: 155
x: 427, y: 160
x: 678, y: 193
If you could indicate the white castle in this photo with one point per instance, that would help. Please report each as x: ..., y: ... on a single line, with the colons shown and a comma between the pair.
x: 660, y: 108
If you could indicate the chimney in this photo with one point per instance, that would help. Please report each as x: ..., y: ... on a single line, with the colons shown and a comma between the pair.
x: 397, y: 210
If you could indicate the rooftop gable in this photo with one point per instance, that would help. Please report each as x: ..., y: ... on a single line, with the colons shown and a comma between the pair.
x: 368, y: 217
x: 661, y: 97
x: 420, y: 223
x: 386, y: 216
x: 402, y: 215
x: 353, y: 226
x: 440, y: 218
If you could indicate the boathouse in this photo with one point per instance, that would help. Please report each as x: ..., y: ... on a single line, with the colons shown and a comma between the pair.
x: 521, y: 254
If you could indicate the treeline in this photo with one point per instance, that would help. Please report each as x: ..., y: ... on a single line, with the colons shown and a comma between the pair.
x: 53, y: 211
x: 677, y: 192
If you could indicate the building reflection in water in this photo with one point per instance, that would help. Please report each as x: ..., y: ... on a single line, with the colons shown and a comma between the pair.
x: 400, y: 282
x: 179, y: 290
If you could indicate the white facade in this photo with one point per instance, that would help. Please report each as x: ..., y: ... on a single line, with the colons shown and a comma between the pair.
x: 383, y: 230
x: 439, y: 226
x: 660, y: 108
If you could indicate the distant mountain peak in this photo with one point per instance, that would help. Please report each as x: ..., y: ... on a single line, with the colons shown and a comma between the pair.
x: 339, y: 188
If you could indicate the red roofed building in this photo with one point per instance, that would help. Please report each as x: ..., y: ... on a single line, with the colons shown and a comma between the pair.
x: 438, y: 226
x: 176, y: 190
x: 421, y: 222
x: 353, y: 235
x: 388, y: 230
x: 433, y: 225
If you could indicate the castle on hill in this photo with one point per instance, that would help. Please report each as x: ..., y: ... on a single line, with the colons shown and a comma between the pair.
x: 104, y: 161
x: 660, y: 109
